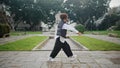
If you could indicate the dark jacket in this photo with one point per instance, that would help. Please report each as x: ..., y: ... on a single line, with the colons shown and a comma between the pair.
x: 60, y: 31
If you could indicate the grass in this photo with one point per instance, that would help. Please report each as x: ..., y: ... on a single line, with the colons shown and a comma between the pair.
x: 103, y: 32
x: 23, y: 44
x: 95, y: 44
x: 16, y: 33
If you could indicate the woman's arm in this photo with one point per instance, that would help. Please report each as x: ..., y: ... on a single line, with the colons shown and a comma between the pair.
x: 69, y: 27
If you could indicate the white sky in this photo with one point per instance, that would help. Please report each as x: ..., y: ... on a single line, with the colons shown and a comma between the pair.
x: 115, y: 3
x: 65, y: 1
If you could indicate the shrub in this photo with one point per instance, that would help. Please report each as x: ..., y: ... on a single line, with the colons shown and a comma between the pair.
x: 112, y: 35
x: 118, y: 25
x: 80, y: 28
x: 4, y: 29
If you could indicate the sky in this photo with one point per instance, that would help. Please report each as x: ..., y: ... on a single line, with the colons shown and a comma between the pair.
x: 114, y: 3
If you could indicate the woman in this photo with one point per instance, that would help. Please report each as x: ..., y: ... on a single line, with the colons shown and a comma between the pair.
x: 61, y: 42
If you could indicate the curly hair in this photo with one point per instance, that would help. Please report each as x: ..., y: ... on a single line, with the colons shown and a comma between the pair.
x: 63, y: 16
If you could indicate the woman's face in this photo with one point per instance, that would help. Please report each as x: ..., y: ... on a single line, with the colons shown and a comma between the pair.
x: 66, y: 20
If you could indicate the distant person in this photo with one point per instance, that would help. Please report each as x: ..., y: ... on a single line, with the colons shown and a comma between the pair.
x: 61, y: 42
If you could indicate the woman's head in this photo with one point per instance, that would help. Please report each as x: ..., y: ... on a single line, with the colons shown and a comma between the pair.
x: 64, y: 16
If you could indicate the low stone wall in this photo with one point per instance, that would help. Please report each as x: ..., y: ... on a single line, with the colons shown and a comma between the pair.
x: 40, y: 45
x: 79, y: 45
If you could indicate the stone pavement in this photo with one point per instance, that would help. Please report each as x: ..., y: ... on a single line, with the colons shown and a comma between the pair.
x: 38, y: 59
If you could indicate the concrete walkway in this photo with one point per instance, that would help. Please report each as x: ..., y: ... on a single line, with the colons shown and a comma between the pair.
x: 105, y: 38
x: 38, y: 59
x: 12, y: 39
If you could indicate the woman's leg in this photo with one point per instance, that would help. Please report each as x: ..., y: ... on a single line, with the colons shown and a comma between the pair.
x: 67, y: 49
x: 56, y: 48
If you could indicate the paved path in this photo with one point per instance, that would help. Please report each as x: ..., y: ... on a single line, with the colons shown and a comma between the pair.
x: 14, y: 38
x: 105, y: 38
x: 50, y: 44
x: 11, y: 39
x: 38, y: 59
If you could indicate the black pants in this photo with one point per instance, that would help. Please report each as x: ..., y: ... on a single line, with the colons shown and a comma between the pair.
x: 58, y: 46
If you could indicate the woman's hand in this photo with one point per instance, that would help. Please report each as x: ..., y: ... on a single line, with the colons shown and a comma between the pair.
x: 79, y: 33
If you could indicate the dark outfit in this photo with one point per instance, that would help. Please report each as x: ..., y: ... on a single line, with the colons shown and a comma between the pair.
x: 60, y: 45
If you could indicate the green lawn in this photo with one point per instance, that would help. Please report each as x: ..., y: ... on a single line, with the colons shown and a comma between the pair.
x: 95, y: 44
x: 23, y: 44
x: 103, y: 32
x: 16, y: 33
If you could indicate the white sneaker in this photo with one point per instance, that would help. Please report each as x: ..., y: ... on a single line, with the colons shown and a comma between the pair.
x: 51, y: 59
x: 73, y: 58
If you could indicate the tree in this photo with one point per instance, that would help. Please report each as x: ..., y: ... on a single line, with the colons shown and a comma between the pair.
x: 33, y: 12
x: 83, y: 11
x: 111, y: 19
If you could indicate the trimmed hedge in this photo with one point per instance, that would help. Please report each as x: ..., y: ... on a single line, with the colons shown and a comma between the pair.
x: 80, y: 28
x: 117, y: 25
x: 4, y: 29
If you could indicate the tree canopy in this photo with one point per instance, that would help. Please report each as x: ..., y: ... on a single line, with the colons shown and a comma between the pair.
x: 84, y: 12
